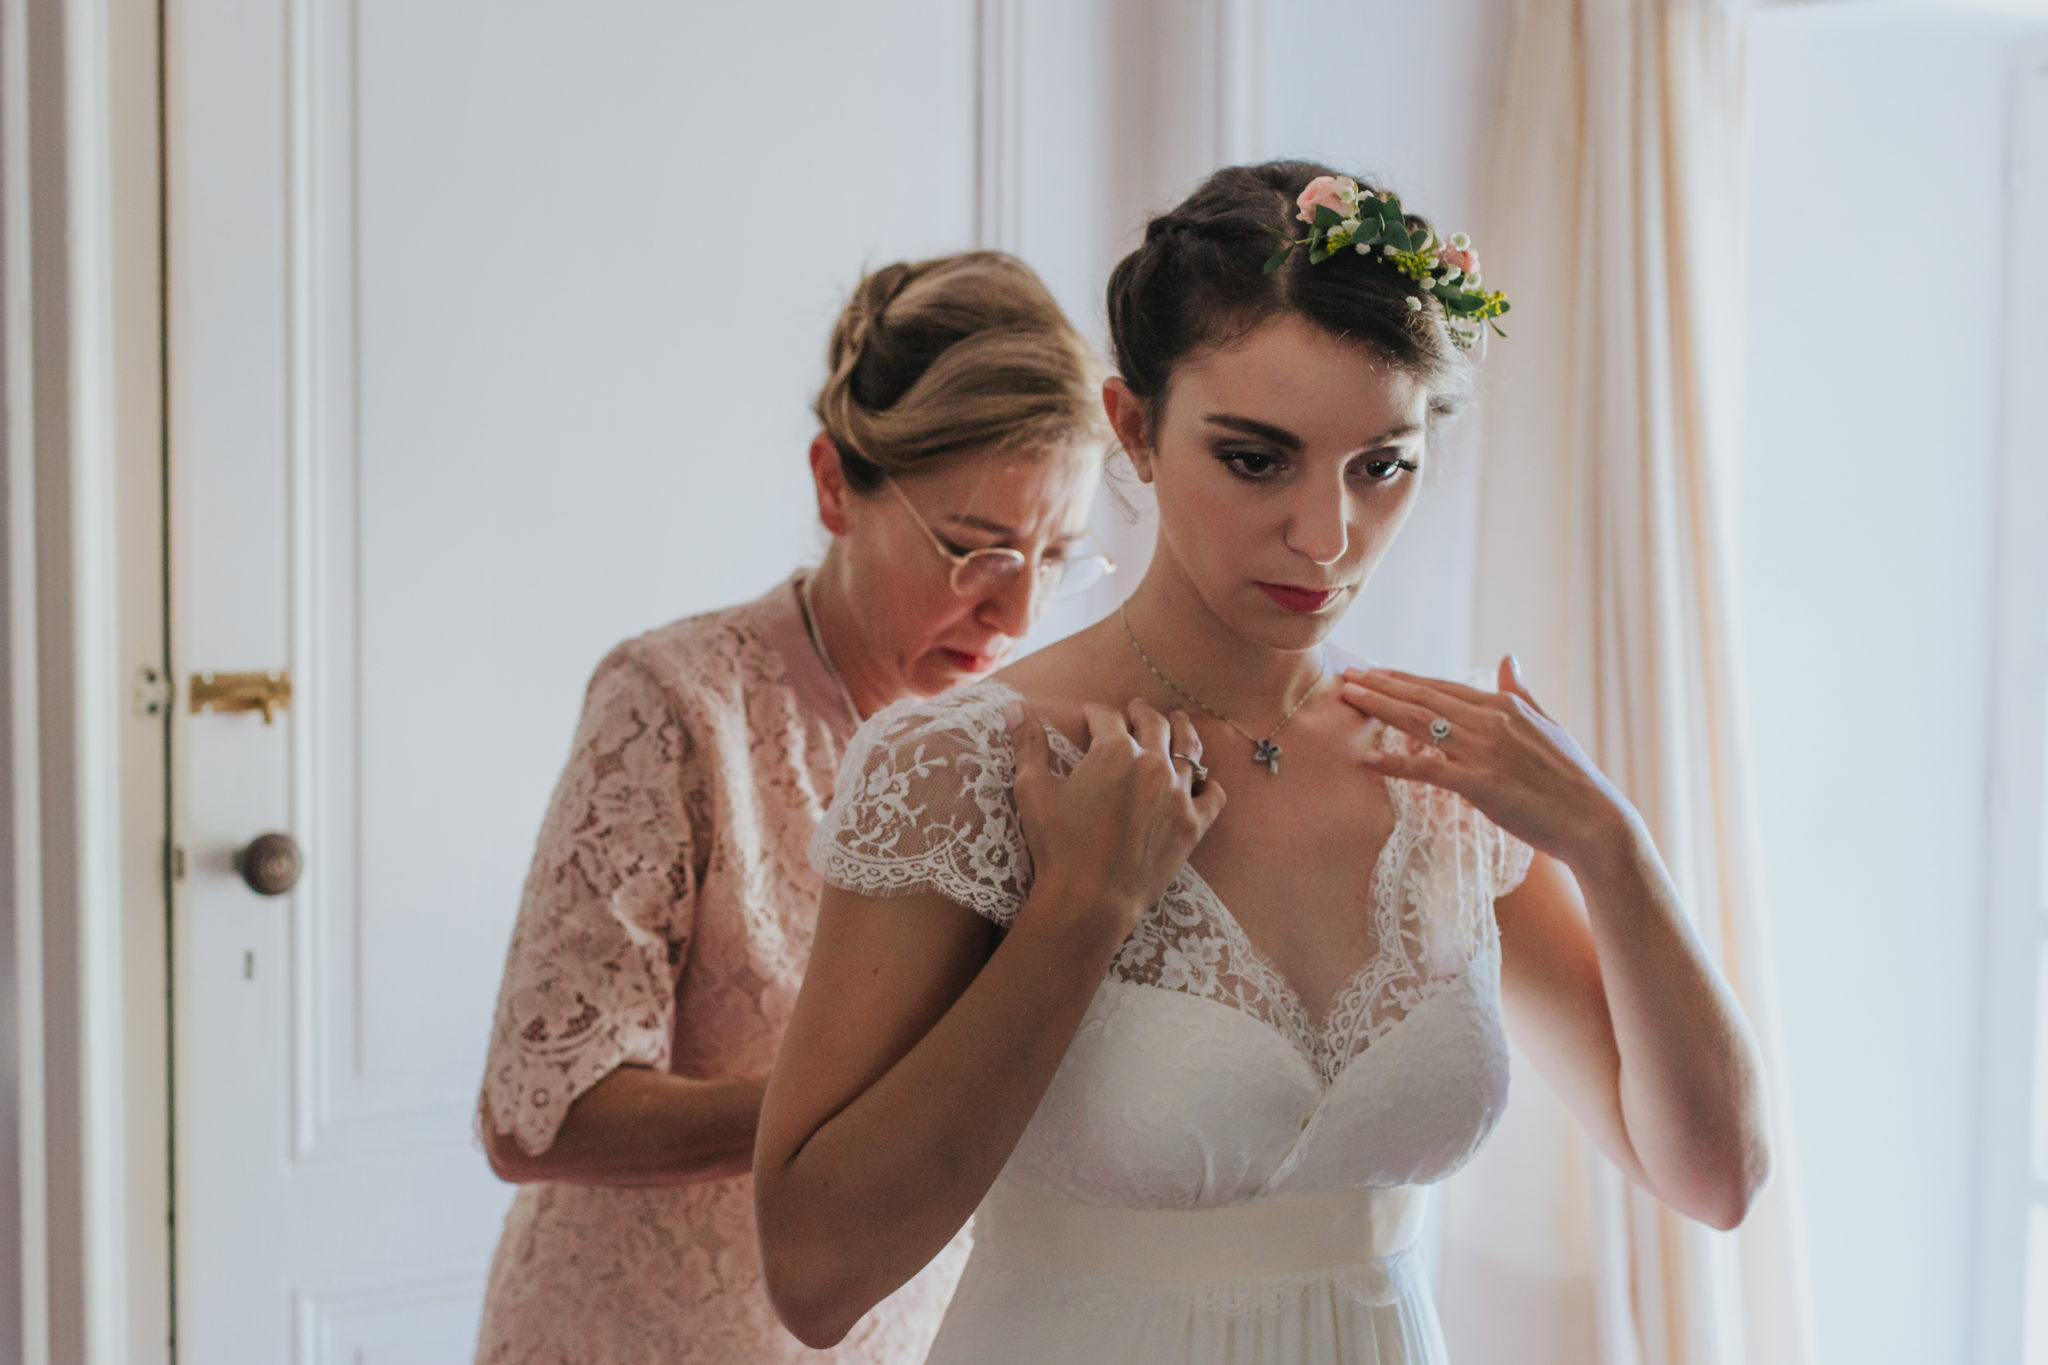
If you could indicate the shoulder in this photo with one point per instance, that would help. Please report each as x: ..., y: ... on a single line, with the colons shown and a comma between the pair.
x: 924, y: 802
x: 706, y: 661
x: 968, y: 724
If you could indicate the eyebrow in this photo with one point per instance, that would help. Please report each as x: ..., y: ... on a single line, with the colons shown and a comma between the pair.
x: 967, y: 521
x: 1287, y: 440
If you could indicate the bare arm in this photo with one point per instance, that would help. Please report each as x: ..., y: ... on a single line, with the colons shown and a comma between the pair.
x: 908, y: 1074
x: 1612, y: 996
x: 640, y: 1127
x: 1609, y: 989
x: 920, y: 1048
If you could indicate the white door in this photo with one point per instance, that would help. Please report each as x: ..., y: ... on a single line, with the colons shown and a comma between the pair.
x: 492, y: 332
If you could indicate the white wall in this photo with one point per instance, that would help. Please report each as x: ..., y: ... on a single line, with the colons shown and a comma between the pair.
x: 1866, y: 509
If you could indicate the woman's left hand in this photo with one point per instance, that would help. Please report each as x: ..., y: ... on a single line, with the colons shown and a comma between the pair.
x: 1504, y: 754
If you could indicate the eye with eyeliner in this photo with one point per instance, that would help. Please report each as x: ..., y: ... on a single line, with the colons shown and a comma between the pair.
x: 1261, y: 466
x: 1387, y: 469
x: 1253, y: 466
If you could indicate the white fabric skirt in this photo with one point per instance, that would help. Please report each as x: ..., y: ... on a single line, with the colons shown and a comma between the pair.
x: 1333, y: 1278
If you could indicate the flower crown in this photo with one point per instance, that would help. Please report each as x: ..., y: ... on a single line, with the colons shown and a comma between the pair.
x: 1339, y: 214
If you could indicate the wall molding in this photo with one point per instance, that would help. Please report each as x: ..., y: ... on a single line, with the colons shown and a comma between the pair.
x: 64, y: 125
x: 1232, y: 90
x: 24, y: 1217
x: 999, y: 124
x: 2017, y: 874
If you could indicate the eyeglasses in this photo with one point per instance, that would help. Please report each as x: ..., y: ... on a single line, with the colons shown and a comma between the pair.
x: 978, y: 573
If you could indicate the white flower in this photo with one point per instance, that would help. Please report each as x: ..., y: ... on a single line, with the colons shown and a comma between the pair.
x: 1451, y: 274
x: 1190, y: 965
x: 1349, y: 225
x: 1363, y: 248
x: 1388, y: 248
x: 1461, y: 241
x: 1414, y: 304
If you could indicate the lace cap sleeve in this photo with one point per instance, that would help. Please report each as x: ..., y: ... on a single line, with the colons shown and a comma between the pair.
x: 924, y: 803
x: 608, y: 911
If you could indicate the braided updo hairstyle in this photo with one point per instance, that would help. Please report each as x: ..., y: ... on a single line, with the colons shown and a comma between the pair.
x: 935, y: 360
x: 1197, y: 281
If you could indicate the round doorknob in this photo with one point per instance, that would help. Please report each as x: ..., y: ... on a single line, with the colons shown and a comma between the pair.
x: 270, y: 864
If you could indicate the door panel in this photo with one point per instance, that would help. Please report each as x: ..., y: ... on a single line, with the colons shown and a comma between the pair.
x: 493, y: 330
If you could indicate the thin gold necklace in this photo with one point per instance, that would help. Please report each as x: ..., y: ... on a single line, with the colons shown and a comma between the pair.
x: 1263, y: 750
x: 803, y: 594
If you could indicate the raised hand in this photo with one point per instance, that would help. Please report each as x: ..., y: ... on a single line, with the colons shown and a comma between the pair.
x: 1120, y: 825
x: 1503, y: 753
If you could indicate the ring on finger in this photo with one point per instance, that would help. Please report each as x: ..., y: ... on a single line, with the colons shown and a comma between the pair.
x: 1439, y: 730
x: 1196, y: 769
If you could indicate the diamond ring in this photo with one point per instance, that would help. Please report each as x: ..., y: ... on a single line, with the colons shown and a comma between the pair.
x: 1195, y: 766
x: 1439, y: 730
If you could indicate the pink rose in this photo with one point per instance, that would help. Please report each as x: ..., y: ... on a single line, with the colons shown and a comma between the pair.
x: 1464, y: 259
x: 1334, y: 192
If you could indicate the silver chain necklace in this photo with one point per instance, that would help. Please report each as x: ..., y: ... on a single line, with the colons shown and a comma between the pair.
x: 1263, y: 750
x: 818, y: 644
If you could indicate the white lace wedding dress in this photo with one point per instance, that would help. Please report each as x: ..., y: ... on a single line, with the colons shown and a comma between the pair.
x: 1213, y: 1178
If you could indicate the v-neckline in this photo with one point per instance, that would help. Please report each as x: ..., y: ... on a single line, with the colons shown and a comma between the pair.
x: 1310, y: 1036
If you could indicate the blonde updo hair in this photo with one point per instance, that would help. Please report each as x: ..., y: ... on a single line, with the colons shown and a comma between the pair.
x: 936, y: 360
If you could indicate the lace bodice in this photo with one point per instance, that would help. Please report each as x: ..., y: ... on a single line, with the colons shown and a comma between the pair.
x: 666, y: 923
x: 927, y: 806
x: 1198, y: 1076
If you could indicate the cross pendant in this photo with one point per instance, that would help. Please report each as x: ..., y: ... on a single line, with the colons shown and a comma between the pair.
x: 1267, y: 752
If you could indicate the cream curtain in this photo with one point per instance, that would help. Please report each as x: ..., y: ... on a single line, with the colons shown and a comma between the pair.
x: 1616, y: 225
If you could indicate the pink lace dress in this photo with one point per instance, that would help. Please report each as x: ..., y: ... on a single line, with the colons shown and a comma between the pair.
x: 666, y: 922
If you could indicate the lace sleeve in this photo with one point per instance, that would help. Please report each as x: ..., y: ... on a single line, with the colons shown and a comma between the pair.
x: 924, y: 804
x: 1507, y: 858
x: 607, y: 914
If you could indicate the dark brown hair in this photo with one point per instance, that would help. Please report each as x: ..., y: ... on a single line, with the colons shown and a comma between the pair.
x: 1198, y: 280
x: 934, y: 360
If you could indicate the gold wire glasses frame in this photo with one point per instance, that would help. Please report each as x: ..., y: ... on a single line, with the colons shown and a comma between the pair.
x: 986, y: 570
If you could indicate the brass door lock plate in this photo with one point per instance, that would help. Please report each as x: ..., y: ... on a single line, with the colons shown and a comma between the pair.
x: 220, y: 692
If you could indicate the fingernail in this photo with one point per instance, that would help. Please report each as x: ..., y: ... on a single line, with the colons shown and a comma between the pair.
x: 1013, y: 713
x: 1515, y: 667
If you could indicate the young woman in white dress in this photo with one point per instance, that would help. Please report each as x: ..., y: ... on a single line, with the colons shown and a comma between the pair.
x: 1194, y: 1062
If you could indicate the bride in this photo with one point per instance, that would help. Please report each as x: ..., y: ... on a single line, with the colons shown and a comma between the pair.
x: 1190, y: 1064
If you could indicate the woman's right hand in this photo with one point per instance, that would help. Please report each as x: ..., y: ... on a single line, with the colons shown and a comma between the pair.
x: 1118, y: 827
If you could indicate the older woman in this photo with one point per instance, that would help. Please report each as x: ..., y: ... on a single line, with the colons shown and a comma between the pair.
x: 669, y: 911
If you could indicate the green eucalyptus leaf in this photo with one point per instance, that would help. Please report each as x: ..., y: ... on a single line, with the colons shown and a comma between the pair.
x: 1275, y: 261
x: 1327, y: 217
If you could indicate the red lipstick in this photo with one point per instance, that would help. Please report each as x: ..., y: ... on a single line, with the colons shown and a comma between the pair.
x: 971, y: 663
x: 1303, y: 600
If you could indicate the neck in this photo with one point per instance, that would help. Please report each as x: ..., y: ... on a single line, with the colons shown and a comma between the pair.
x: 1252, y: 684
x: 853, y: 655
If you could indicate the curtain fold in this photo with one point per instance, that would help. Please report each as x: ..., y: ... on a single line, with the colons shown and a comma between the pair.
x: 1615, y: 221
